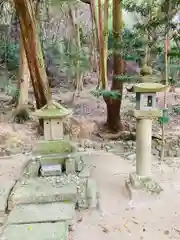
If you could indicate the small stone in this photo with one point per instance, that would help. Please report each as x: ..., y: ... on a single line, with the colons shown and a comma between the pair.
x: 107, y: 148
x: 131, y: 157
x: 166, y: 232
x: 80, y: 219
x: 71, y: 228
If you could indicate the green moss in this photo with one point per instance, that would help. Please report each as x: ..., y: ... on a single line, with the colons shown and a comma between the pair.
x: 52, y: 110
x: 52, y: 147
x: 48, y: 113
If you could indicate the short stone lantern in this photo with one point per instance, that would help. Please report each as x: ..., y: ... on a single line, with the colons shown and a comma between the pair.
x: 53, y: 115
x: 144, y: 113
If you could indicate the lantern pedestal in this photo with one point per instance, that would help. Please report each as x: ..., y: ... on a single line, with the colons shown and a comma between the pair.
x: 143, y: 147
x: 144, y: 113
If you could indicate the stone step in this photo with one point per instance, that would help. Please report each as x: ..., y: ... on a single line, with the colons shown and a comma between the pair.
x: 39, y: 231
x: 39, y: 213
x: 41, y: 190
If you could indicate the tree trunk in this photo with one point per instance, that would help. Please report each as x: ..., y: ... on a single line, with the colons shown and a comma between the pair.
x: 24, y: 78
x: 22, y: 114
x: 113, y: 105
x: 26, y: 14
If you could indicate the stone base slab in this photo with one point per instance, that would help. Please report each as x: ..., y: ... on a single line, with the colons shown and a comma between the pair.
x: 40, y: 231
x: 40, y: 190
x: 40, y: 213
x: 141, y: 187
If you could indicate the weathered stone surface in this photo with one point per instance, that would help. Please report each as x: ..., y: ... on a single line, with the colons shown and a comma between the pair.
x: 40, y: 231
x: 144, y: 183
x: 85, y: 173
x: 5, y: 189
x: 92, y: 193
x: 70, y: 165
x: 138, y: 195
x: 79, y: 163
x: 82, y: 193
x: 32, y: 169
x: 41, y: 190
x: 3, y: 219
x: 36, y: 213
x: 53, y: 159
x: 51, y: 170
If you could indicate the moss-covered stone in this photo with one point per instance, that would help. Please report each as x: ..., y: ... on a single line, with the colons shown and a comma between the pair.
x: 53, y: 152
x: 52, y: 110
x: 53, y: 147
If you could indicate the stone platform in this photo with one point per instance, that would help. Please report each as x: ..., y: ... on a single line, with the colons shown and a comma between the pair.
x: 40, y: 213
x: 79, y: 189
x: 42, y: 206
x: 39, y: 231
x: 41, y: 190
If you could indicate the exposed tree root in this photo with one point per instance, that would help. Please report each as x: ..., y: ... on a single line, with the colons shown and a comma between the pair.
x: 21, y: 115
x: 124, y: 135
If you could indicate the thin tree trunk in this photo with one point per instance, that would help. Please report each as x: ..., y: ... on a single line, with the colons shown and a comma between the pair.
x: 21, y: 114
x: 78, y: 81
x: 103, y: 72
x: 105, y: 37
x: 113, y: 105
x: 97, y: 39
x: 24, y: 78
x: 26, y: 14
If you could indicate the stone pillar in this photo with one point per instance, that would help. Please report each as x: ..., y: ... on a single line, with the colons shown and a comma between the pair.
x: 143, y: 147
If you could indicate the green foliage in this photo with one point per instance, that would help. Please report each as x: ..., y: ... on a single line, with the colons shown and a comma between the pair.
x: 106, y: 93
x: 130, y: 47
x: 124, y: 78
x: 9, y: 54
x: 74, y: 60
x: 165, y: 117
x: 21, y: 115
x: 176, y: 110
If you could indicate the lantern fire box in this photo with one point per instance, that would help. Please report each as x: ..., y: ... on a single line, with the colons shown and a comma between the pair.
x: 146, y: 100
x: 53, y: 115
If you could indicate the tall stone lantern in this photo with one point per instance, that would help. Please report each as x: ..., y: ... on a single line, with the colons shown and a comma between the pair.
x: 145, y: 112
x: 53, y: 115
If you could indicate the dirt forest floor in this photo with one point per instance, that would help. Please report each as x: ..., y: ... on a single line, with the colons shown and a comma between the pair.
x: 118, y: 216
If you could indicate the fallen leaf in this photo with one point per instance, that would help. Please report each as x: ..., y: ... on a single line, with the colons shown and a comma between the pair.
x: 104, y: 229
x: 79, y: 219
x: 29, y: 228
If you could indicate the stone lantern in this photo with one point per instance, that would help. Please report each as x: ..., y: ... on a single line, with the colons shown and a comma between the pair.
x: 145, y: 112
x: 53, y: 115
